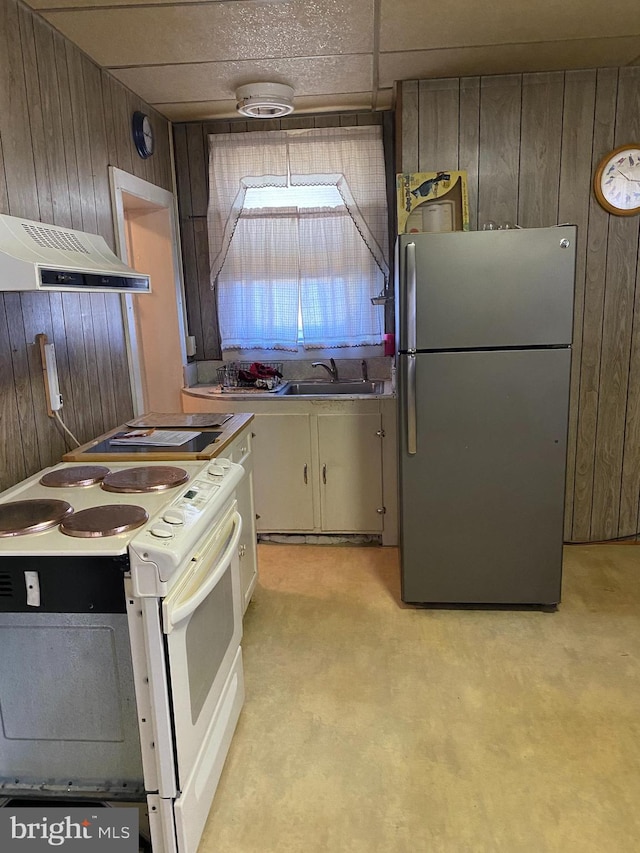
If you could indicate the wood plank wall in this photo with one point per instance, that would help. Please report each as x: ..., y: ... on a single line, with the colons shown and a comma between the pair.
x: 191, y: 150
x: 530, y: 144
x: 63, y: 121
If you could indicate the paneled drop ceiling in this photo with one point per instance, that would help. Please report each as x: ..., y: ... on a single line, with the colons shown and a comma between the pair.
x: 187, y: 58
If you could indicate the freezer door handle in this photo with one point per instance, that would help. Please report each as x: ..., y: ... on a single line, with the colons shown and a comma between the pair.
x: 410, y: 397
x: 412, y: 285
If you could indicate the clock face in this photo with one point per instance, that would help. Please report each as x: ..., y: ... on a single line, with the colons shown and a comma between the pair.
x: 617, y: 181
x: 142, y: 134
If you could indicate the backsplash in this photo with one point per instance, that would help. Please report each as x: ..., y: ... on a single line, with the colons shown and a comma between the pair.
x: 379, y: 367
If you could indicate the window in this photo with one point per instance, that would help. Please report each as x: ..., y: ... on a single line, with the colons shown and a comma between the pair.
x: 297, y: 232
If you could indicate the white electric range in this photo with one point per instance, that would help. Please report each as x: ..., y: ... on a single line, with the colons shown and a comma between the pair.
x: 120, y: 629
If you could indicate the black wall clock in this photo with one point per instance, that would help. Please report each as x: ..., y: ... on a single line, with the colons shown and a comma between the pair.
x: 142, y: 134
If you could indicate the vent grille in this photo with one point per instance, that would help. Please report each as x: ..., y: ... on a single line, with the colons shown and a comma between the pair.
x: 50, y: 239
x: 6, y: 585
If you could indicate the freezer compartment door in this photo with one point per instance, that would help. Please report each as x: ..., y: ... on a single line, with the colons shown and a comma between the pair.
x: 486, y: 289
x: 482, y: 497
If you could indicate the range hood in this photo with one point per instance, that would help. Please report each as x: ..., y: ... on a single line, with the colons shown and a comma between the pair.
x: 36, y: 256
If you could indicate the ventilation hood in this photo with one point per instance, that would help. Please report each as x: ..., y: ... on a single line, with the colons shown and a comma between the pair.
x: 35, y: 256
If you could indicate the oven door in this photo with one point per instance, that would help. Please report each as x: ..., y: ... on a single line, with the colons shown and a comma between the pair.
x: 202, y: 620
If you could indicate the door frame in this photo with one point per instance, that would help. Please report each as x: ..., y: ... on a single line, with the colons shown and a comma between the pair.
x: 121, y: 182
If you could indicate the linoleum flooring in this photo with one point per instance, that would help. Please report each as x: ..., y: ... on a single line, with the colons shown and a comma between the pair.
x: 373, y: 727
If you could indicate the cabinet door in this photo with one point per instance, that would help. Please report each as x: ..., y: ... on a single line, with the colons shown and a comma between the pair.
x: 282, y: 478
x: 350, y: 452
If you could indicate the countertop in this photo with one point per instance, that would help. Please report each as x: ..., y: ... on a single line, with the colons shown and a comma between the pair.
x: 215, y: 392
x: 224, y: 435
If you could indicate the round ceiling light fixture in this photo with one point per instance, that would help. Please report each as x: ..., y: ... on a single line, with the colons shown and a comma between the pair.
x: 264, y: 100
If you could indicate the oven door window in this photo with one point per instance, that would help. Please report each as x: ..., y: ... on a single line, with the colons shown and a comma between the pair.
x: 202, y: 620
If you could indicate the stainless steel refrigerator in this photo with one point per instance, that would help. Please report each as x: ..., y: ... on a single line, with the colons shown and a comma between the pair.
x: 483, y: 329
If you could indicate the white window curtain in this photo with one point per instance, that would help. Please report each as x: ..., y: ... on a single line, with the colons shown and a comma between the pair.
x: 325, y: 263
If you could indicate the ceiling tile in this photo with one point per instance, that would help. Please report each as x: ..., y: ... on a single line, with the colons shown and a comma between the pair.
x: 416, y: 25
x: 217, y: 81
x: 218, y: 31
x: 505, y: 59
x: 202, y: 110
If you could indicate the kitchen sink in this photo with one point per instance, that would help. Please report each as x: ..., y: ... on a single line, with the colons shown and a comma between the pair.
x: 342, y: 386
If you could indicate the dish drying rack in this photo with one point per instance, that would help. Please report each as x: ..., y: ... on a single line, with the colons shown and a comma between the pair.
x: 229, y: 376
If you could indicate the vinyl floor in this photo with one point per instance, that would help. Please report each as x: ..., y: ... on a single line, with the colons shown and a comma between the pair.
x: 372, y: 727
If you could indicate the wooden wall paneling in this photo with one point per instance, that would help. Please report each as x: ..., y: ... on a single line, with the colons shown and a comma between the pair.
x: 630, y: 488
x: 439, y: 128
x: 162, y: 154
x: 59, y: 339
x: 198, y: 158
x: 614, y: 375
x: 409, y: 141
x: 26, y: 425
x: 294, y: 123
x: 122, y: 125
x: 13, y: 467
x: 119, y: 364
x: 616, y: 344
x: 52, y: 123
x: 589, y: 399
x: 83, y: 137
x: 540, y: 139
x: 368, y: 119
x: 109, y: 124
x: 218, y: 126
x: 573, y: 206
x: 34, y: 107
x: 99, y: 154
x: 63, y: 87
x: 211, y: 345
x: 104, y: 396
x: 83, y: 389
x: 628, y: 130
x: 500, y: 109
x: 4, y: 195
x: 327, y: 121
x: 469, y: 146
x: 36, y: 315
x: 91, y: 354
x: 185, y: 212
x: 20, y: 172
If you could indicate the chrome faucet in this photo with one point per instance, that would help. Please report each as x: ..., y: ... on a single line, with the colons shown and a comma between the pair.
x: 332, y: 371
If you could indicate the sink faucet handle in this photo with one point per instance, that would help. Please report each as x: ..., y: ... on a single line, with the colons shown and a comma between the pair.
x: 334, y: 369
x: 365, y: 375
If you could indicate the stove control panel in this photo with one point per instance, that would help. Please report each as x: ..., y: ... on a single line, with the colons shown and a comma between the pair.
x: 168, y: 541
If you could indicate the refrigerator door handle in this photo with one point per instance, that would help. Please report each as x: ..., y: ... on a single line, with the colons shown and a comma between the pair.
x: 411, y: 284
x: 410, y: 397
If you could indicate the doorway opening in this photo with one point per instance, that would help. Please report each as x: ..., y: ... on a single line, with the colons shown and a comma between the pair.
x: 155, y: 323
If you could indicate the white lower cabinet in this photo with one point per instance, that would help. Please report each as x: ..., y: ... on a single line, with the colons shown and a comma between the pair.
x: 350, y: 469
x: 319, y: 466
x: 282, y: 474
x: 319, y: 473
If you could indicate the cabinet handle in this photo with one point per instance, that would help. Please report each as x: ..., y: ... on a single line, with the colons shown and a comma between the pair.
x: 305, y: 474
x: 324, y: 474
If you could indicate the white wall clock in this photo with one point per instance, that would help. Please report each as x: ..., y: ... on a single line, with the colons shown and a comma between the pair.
x: 616, y: 182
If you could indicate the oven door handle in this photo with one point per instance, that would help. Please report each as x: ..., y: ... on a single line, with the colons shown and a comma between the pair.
x: 175, y: 615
